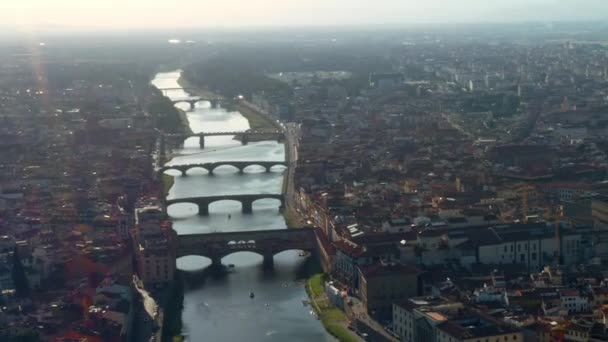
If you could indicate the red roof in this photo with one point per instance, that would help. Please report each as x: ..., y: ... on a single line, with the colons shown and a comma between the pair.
x: 349, y: 248
x: 81, y: 266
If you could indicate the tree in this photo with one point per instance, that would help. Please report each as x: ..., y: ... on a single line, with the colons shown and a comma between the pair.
x: 19, y: 278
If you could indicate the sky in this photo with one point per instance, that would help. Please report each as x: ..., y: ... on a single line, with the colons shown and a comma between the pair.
x: 116, y: 15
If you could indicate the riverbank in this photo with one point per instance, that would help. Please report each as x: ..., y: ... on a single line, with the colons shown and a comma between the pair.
x: 257, y: 120
x: 198, y: 91
x: 167, y: 181
x: 333, y: 319
x: 173, y: 305
x: 183, y: 117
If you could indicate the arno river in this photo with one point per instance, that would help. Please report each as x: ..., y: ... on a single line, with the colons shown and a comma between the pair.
x: 219, y: 308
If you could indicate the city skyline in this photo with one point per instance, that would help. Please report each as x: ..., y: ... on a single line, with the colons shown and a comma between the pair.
x: 113, y: 15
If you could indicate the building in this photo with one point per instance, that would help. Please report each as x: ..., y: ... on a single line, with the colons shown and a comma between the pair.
x: 349, y: 256
x: 382, y: 285
x: 6, y: 278
x: 125, y: 220
x: 532, y: 245
x: 415, y: 319
x: 567, y: 191
x: 599, y: 211
x: 573, y: 301
x: 474, y: 328
x: 153, y: 240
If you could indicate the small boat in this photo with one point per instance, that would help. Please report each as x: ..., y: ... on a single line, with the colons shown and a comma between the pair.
x: 251, y: 295
x: 229, y: 216
x: 230, y: 265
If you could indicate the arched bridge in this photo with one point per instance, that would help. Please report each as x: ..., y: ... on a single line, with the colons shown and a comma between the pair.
x: 215, y: 102
x: 264, y: 242
x: 188, y: 90
x: 243, y: 136
x: 204, y: 202
x: 210, y: 167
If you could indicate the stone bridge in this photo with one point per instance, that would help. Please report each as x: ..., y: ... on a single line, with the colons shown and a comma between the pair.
x: 267, y: 243
x: 204, y: 202
x: 215, y: 102
x: 188, y: 90
x: 210, y: 167
x: 243, y: 136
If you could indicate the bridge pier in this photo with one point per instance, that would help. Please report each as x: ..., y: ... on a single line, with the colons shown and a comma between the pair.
x: 268, y: 260
x: 203, y: 209
x: 247, y: 207
x: 192, y: 105
x: 201, y: 142
x: 245, y: 139
x: 216, y: 262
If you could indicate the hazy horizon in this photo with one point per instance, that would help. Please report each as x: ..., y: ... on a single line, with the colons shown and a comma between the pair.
x: 114, y: 15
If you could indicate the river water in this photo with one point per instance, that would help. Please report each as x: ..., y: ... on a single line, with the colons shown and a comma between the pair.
x: 219, y: 308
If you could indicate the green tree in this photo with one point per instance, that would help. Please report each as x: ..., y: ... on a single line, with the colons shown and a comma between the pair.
x: 19, y: 278
x: 165, y: 114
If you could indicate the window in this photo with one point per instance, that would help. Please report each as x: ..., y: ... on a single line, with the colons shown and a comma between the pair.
x: 533, y: 256
x: 519, y: 248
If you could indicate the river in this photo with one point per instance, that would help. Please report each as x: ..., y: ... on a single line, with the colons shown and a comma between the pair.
x: 219, y: 308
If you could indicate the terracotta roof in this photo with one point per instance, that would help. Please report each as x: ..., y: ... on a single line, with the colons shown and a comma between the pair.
x: 349, y: 248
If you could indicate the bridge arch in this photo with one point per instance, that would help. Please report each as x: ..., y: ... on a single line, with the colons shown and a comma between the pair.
x: 226, y: 165
x: 251, y: 167
x: 196, y: 170
x: 173, y: 171
x: 213, y: 103
x: 193, y: 263
x: 259, y: 201
x: 225, y: 205
x: 183, y: 209
x: 277, y: 167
